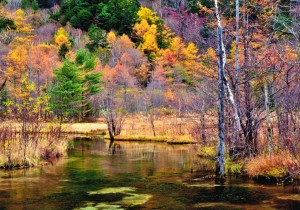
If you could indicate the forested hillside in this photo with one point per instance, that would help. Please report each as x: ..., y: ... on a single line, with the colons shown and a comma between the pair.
x: 157, y: 61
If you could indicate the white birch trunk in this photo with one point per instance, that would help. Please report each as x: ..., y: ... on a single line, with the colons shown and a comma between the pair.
x: 236, y: 124
x: 222, y: 85
x: 220, y: 166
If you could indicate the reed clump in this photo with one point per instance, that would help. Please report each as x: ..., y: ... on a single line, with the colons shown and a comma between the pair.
x: 28, y: 147
x: 277, y: 166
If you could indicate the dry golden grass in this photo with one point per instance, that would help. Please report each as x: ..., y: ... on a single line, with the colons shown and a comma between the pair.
x: 76, y: 128
x: 33, y: 156
x: 183, y: 139
x: 278, y: 165
x: 170, y: 128
x: 84, y: 128
x: 26, y: 148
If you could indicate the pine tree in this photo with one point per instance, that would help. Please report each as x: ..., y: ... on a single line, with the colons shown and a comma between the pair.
x: 66, y: 93
x: 74, y: 83
x: 97, y: 38
x: 90, y: 80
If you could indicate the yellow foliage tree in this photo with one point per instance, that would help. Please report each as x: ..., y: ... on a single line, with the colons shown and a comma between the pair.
x: 141, y: 28
x: 184, y: 61
x: 111, y: 38
x: 152, y: 33
x: 61, y: 37
x: 147, y: 14
x: 21, y: 26
x: 18, y: 56
x: 149, y: 44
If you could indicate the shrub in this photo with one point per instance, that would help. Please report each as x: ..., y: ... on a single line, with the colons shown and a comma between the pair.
x: 233, y: 167
x: 278, y: 166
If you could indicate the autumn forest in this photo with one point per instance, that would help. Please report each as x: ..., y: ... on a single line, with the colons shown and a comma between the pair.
x: 223, y: 76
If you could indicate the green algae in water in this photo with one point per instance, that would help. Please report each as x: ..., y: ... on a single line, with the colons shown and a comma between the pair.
x: 89, y: 208
x: 106, y: 206
x: 130, y: 199
x: 111, y: 190
x: 135, y: 199
x: 103, y: 206
x: 204, y: 185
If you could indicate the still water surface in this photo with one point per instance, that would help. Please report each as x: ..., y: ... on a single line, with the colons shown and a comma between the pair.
x: 137, y: 176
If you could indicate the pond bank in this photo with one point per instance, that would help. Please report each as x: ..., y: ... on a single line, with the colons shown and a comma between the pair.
x: 185, y: 139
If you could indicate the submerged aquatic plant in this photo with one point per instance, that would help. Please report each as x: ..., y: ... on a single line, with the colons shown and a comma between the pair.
x: 130, y: 198
x: 111, y: 190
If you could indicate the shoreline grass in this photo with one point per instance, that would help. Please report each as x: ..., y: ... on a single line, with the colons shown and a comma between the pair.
x: 66, y: 128
x: 30, y: 147
x: 184, y: 139
x: 278, y: 166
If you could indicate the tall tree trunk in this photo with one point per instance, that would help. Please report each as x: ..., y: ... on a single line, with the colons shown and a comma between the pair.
x: 152, y: 118
x: 268, y: 120
x: 60, y: 124
x: 109, y: 122
x: 248, y: 131
x: 220, y: 166
x: 236, y: 125
x: 203, y: 125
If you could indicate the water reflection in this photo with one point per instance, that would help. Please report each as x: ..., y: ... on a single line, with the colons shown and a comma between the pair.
x: 158, y: 176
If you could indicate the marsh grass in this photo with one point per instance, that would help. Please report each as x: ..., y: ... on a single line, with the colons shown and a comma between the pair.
x: 84, y: 128
x: 277, y: 165
x: 170, y: 139
x: 26, y: 148
x: 168, y: 128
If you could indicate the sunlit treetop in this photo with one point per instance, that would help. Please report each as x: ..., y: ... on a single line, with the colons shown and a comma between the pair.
x: 61, y: 37
x: 111, y: 38
x: 147, y: 14
x: 141, y: 28
x: 61, y: 31
x: 149, y: 40
x: 20, y: 23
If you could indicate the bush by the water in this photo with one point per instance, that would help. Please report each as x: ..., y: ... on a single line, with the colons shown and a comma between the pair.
x: 278, y: 166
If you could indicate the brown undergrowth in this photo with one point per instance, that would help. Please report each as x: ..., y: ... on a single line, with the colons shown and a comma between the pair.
x: 168, y: 128
x: 27, y: 148
x: 277, y: 166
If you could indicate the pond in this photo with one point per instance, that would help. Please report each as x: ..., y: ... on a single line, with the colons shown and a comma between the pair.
x: 137, y: 176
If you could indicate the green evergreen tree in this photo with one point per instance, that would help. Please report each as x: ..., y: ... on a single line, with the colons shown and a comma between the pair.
x: 82, y: 20
x: 120, y: 15
x: 63, y: 50
x: 66, y: 93
x: 6, y: 23
x: 29, y: 4
x: 74, y: 83
x: 97, y: 38
x: 90, y: 80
